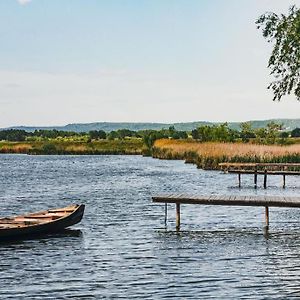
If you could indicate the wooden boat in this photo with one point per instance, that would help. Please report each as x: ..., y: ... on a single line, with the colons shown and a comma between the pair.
x: 44, y: 222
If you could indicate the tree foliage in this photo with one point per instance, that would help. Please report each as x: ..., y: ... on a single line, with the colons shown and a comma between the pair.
x: 220, y: 133
x: 295, y: 132
x: 150, y: 136
x: 97, y: 134
x: 13, y: 135
x: 284, y: 62
x: 246, y: 131
x: 52, y: 134
x: 271, y: 134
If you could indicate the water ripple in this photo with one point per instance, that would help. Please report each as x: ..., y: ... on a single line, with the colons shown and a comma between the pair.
x: 122, y: 248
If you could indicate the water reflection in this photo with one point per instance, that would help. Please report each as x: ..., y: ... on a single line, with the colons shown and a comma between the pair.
x: 66, y: 233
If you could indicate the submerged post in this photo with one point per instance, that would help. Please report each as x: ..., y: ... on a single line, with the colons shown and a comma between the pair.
x: 239, y: 175
x: 177, y: 216
x: 267, y: 216
x: 284, y: 181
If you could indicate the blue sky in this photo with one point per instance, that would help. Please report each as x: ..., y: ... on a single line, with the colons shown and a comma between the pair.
x: 65, y: 61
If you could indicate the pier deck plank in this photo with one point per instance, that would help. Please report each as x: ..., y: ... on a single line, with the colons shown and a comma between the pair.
x: 271, y: 201
x: 241, y: 165
x: 260, y: 172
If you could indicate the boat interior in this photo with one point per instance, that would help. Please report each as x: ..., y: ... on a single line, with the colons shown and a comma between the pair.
x: 36, y: 218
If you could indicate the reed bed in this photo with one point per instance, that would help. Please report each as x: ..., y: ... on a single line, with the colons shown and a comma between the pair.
x: 15, y: 147
x: 127, y: 147
x: 209, y: 155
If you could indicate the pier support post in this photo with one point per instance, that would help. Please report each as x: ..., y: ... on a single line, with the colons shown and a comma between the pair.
x: 283, y: 181
x: 239, y: 176
x: 265, y: 179
x: 267, y: 217
x: 255, y: 178
x: 177, y: 216
x: 166, y: 213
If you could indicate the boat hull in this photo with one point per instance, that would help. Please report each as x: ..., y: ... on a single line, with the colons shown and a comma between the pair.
x: 45, y: 228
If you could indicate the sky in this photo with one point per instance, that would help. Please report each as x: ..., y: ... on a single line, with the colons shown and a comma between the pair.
x: 82, y: 61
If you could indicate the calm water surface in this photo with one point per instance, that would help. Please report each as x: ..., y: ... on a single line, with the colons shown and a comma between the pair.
x: 122, y: 249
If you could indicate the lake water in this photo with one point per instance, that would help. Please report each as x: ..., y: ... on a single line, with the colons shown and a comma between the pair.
x: 121, y: 249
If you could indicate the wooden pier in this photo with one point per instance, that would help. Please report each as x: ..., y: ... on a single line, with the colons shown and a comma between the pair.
x: 265, y: 169
x: 264, y: 201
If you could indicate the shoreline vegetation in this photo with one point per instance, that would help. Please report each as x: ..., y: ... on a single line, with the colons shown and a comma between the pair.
x: 205, y: 155
x: 101, y: 147
x: 205, y: 146
x: 208, y: 155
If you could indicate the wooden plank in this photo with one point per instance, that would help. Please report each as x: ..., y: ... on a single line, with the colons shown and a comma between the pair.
x: 233, y: 200
x: 12, y: 225
x: 225, y: 164
x: 50, y: 215
x: 260, y: 172
x: 237, y: 164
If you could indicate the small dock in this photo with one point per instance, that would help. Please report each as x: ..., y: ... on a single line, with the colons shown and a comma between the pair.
x: 264, y: 201
x: 264, y: 169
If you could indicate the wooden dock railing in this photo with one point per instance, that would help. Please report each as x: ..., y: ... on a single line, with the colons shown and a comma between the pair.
x: 264, y: 201
x: 264, y: 169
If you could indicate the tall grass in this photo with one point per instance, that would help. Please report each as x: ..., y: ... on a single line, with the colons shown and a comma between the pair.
x: 209, y: 155
x: 15, y: 147
x: 128, y: 146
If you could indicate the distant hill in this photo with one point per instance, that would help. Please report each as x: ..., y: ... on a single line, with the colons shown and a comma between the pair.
x: 289, y: 124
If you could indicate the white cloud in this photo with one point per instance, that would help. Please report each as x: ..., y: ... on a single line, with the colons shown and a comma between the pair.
x: 24, y: 2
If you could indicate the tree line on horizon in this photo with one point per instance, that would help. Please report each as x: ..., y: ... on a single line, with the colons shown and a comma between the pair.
x: 20, y: 135
x: 271, y: 134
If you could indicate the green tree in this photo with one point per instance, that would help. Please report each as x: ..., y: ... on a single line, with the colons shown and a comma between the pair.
x: 113, y: 135
x: 205, y: 133
x: 273, y: 132
x: 284, y: 62
x: 195, y: 134
x: 284, y: 135
x: 151, y: 136
x: 172, y: 130
x: 97, y: 135
x: 15, y: 135
x: 123, y: 133
x: 246, y: 131
x: 295, y: 132
x: 220, y: 133
x: 176, y: 135
x: 261, y: 135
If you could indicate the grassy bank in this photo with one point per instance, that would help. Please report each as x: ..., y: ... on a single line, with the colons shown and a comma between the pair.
x: 126, y: 146
x: 204, y: 155
x: 209, y: 155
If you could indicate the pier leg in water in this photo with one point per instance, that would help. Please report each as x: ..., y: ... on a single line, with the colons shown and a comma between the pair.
x: 284, y: 181
x: 239, y: 176
x: 265, y: 179
x: 166, y: 214
x: 177, y: 216
x: 267, y: 217
x: 255, y: 179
